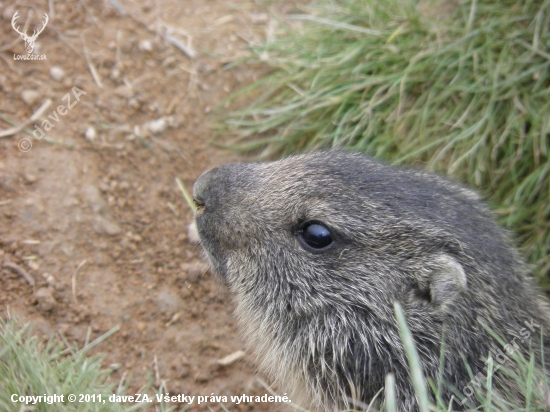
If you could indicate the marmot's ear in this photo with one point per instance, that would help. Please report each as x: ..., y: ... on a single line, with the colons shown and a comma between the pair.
x: 447, y: 280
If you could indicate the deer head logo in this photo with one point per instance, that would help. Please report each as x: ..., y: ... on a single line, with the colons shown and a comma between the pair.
x: 29, y: 41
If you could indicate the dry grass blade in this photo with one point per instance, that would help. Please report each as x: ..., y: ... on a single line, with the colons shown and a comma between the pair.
x: 188, y: 198
x: 36, y: 115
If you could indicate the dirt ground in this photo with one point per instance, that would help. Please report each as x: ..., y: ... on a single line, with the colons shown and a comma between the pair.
x: 93, y: 228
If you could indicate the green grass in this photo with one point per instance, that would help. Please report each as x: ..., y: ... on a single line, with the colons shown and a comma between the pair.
x: 417, y: 378
x: 30, y: 367
x: 532, y: 382
x: 465, y: 93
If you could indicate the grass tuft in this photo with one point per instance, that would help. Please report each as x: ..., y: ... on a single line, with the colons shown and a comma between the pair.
x: 28, y: 367
x: 463, y: 87
x: 417, y: 376
x: 533, y: 383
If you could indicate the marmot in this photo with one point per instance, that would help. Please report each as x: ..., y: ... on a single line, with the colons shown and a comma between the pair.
x: 316, y: 248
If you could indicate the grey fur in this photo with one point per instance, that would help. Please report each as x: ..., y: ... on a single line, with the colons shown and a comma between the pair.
x: 322, y: 323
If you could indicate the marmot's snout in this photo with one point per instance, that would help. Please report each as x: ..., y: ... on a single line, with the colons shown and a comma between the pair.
x: 223, y: 186
x: 219, y: 195
x: 206, y: 190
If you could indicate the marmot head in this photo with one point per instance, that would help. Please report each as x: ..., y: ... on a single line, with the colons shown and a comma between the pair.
x: 316, y: 248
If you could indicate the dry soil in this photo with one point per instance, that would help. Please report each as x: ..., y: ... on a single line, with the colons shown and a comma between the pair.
x: 93, y: 229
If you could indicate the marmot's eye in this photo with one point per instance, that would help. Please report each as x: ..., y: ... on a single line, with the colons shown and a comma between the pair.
x: 315, y: 235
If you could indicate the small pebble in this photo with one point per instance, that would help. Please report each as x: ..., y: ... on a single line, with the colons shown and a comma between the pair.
x: 33, y: 264
x: 29, y: 178
x: 91, y: 134
x: 145, y: 45
x: 45, y: 300
x: 134, y: 103
x: 124, y: 185
x: 124, y: 91
x: 57, y: 73
x: 115, y: 74
x: 106, y: 227
x: 96, y: 202
x: 157, y: 126
x: 51, y: 281
x: 30, y: 97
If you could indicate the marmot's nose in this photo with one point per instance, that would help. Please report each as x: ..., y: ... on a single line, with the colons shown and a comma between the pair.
x: 224, y: 185
x: 199, y: 202
x: 211, y: 187
x: 201, y: 190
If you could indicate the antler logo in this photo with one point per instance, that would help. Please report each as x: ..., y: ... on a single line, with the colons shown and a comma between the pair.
x: 29, y: 41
